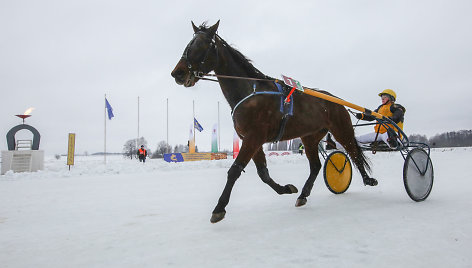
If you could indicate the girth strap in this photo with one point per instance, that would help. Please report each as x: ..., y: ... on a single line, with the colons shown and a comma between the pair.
x: 282, y: 128
x: 286, y: 108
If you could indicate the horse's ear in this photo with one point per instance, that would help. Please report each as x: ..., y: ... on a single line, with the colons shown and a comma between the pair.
x: 213, y: 29
x: 195, y: 28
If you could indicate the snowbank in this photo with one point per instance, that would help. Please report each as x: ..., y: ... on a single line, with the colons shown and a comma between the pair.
x: 127, y: 214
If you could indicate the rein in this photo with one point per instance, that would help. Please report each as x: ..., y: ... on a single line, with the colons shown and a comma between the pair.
x: 201, y: 75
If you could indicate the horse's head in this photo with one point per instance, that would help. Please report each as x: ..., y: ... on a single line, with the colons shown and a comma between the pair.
x: 199, y: 56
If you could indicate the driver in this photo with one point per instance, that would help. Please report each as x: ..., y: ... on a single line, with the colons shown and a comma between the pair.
x: 389, y: 109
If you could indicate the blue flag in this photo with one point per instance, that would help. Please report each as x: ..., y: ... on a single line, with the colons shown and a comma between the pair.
x: 109, y: 109
x: 197, y: 125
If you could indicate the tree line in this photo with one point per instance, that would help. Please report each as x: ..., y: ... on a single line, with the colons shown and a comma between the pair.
x: 460, y: 138
x: 130, y: 148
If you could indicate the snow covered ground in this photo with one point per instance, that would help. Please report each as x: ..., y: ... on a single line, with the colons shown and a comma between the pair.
x: 127, y: 214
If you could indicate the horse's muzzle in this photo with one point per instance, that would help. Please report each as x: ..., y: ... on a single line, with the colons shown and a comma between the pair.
x: 179, y: 76
x: 182, y: 75
x: 184, y: 78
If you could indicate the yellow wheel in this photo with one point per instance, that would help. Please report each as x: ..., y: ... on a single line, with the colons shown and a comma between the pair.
x: 337, y: 172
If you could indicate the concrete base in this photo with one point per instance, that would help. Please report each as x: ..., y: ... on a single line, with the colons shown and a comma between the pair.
x: 22, y: 161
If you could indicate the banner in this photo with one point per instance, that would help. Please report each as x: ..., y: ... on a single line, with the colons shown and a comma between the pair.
x: 191, y: 141
x: 279, y: 153
x: 235, y: 145
x: 196, y: 156
x: 185, y: 157
x: 175, y: 157
x: 214, y: 139
x: 71, y: 150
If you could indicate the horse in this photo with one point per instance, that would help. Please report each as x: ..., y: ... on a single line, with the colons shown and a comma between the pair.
x: 257, y: 119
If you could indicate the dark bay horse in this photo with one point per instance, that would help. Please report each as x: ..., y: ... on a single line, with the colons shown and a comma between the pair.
x: 257, y: 120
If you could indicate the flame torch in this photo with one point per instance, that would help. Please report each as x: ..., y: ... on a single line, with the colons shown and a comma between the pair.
x: 26, y: 114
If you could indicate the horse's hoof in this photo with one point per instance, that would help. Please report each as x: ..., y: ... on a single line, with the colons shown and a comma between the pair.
x: 300, y: 202
x: 370, y: 182
x: 291, y: 189
x: 216, y: 217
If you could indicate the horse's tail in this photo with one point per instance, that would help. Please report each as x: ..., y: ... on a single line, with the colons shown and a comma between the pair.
x: 349, y: 142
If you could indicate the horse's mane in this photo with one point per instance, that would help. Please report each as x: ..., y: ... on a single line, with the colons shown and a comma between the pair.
x: 238, y: 56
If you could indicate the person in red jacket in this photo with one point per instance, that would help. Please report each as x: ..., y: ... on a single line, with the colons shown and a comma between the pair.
x: 142, y: 153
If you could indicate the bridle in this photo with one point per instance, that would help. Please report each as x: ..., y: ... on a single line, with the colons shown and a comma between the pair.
x: 197, y: 70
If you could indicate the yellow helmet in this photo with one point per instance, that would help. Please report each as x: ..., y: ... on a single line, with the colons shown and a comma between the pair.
x: 389, y: 92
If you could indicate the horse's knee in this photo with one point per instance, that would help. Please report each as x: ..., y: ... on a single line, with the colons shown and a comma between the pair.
x: 235, y: 171
x: 263, y: 173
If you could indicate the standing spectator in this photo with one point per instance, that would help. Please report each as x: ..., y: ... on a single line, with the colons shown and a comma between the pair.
x: 142, y: 153
x: 300, y: 148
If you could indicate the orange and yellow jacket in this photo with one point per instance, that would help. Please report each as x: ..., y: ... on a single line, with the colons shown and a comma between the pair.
x: 393, y: 111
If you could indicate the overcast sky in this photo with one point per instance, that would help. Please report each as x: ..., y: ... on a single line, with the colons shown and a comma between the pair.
x: 62, y: 57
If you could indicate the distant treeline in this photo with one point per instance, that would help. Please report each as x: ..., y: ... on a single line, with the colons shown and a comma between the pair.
x: 101, y: 153
x: 461, y: 138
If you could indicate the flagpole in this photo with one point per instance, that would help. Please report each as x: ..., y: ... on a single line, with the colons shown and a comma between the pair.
x: 138, y: 127
x: 167, y: 105
x: 219, y: 127
x: 105, y: 134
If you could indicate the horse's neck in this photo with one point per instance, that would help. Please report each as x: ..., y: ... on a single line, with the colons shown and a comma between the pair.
x: 234, y: 90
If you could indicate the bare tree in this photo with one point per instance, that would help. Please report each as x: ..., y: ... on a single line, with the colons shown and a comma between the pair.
x: 162, y: 148
x: 418, y: 138
x: 180, y: 148
x: 130, y: 148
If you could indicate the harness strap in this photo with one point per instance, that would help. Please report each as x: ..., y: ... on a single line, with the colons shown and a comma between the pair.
x: 286, y: 107
x: 252, y: 95
x: 286, y: 103
x: 282, y: 128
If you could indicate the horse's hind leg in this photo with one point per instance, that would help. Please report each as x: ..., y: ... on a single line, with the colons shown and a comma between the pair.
x: 263, y: 172
x: 347, y: 139
x: 311, y: 149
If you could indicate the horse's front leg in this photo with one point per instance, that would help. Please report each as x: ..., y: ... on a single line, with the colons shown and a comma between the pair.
x: 248, y: 148
x: 311, y: 149
x: 261, y: 165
